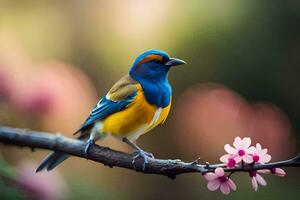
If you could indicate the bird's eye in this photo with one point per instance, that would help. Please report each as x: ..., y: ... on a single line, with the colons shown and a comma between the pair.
x: 156, y: 60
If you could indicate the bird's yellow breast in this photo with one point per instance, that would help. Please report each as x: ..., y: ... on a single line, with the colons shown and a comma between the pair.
x: 138, y: 118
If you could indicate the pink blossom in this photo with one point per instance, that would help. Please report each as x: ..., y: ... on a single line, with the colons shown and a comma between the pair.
x: 218, y: 179
x: 256, y: 179
x: 242, y: 151
x: 276, y: 171
x: 260, y: 155
x: 229, y: 160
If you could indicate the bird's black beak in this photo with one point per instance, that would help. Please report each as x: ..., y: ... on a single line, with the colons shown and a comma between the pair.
x: 174, y: 62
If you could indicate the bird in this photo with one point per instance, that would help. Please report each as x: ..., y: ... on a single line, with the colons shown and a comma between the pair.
x: 137, y: 103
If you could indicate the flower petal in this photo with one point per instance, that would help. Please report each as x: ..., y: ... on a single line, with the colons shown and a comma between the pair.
x: 210, y: 176
x: 230, y: 149
x: 264, y: 171
x: 248, y: 159
x: 261, y: 180
x: 246, y: 142
x: 238, y: 159
x: 266, y: 158
x: 264, y: 151
x: 279, y: 172
x: 258, y: 147
x: 219, y: 171
x: 224, y: 158
x: 213, y: 185
x: 250, y: 150
x: 225, y: 189
x: 231, y: 184
x: 254, y: 184
x: 237, y: 142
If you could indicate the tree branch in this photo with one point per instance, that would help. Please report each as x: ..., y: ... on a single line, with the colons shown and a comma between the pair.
x: 113, y: 158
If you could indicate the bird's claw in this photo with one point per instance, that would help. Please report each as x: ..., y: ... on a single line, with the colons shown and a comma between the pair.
x: 150, y: 155
x: 144, y: 155
x: 89, y: 143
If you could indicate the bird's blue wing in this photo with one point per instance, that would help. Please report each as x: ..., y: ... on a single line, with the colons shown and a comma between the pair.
x: 104, y: 108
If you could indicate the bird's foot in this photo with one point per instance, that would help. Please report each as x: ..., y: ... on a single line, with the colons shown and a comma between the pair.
x: 144, y: 155
x: 88, y: 145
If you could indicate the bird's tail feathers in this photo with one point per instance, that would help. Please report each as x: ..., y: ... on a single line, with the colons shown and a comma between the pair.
x: 52, y: 160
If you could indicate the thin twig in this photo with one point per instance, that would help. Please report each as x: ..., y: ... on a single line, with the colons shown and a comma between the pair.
x: 113, y: 158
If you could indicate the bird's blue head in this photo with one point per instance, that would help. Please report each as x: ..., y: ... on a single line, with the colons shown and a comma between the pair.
x: 153, y: 65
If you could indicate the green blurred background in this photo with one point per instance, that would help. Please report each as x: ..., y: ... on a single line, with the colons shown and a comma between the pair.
x: 58, y: 57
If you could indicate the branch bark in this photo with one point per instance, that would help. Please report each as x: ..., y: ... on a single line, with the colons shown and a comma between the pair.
x: 113, y: 158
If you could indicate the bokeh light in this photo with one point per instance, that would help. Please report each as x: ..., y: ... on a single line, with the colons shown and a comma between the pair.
x: 211, y: 115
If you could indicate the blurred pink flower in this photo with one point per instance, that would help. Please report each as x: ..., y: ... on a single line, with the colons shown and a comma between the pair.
x: 37, y: 101
x: 260, y: 155
x: 219, y: 180
x: 240, y: 152
x: 53, y: 92
x: 206, y: 110
x: 257, y: 179
x: 41, y: 186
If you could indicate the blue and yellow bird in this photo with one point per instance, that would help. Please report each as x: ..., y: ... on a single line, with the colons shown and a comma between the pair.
x: 137, y: 103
